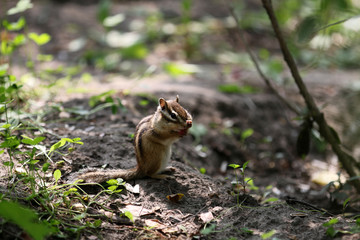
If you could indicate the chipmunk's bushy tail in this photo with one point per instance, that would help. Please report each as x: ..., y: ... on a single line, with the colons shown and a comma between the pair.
x: 103, y: 176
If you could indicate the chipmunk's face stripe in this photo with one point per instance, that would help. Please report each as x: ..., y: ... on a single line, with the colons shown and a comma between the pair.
x: 181, y: 112
x: 171, y: 111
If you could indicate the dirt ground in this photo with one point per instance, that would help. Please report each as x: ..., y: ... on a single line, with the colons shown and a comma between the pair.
x: 208, y: 209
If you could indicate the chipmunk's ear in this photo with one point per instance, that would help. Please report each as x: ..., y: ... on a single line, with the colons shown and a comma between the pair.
x: 177, y: 98
x: 162, y: 103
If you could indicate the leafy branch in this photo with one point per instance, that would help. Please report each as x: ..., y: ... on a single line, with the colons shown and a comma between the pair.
x: 327, y: 132
x: 254, y: 60
x: 315, y: 115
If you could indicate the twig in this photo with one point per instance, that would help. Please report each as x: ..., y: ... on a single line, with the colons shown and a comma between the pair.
x: 325, y: 130
x: 267, y: 81
x: 290, y: 200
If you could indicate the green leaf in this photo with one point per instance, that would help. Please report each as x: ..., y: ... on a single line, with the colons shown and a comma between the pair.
x: 94, y: 100
x: 45, y: 57
x: 10, y: 142
x: 234, y: 166
x: 3, y: 72
x: 37, y: 140
x: 202, y: 170
x: 328, y: 5
x: 6, y: 126
x: 112, y: 182
x: 307, y: 28
x: 264, y: 54
x: 129, y: 215
x: 346, y: 202
x: 112, y: 188
x: 39, y: 39
x: 234, y: 88
x: 268, y: 234
x: 178, y: 69
x: 21, y: 6
x: 331, y: 222
x: 19, y: 40
x: 97, y: 223
x: 331, y: 231
x: 137, y: 51
x: 208, y: 230
x: 272, y: 199
x: 16, y: 26
x: 8, y: 164
x: 31, y: 141
x: 276, y: 66
x: 245, y: 165
x: 250, y: 182
x: 26, y: 219
x: 103, y: 10
x: 73, y: 190
x: 144, y: 102
x: 77, y: 141
x: 80, y: 216
x: 57, y: 175
x: 63, y: 141
x: 56, y: 146
x: 247, y: 133
x: 186, y: 4
x: 45, y: 167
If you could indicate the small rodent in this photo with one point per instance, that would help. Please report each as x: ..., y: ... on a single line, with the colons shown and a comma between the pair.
x: 153, y: 138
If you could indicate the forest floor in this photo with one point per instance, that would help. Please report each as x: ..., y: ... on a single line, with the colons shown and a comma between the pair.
x: 285, y: 199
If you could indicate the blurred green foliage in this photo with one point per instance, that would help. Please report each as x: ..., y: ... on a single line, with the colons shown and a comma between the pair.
x: 26, y: 219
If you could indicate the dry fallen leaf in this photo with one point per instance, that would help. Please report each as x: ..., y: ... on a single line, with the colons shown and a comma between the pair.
x: 154, y: 223
x: 175, y: 197
x: 78, y: 207
x: 134, y: 189
x: 206, y: 217
x: 138, y: 211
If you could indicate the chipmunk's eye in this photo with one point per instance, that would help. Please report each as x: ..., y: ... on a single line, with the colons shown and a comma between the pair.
x: 173, y: 115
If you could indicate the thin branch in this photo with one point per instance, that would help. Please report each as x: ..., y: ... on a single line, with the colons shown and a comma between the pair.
x: 253, y: 58
x: 325, y: 130
x: 333, y: 24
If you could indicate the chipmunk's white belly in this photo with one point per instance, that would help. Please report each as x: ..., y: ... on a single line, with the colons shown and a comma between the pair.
x: 165, y: 159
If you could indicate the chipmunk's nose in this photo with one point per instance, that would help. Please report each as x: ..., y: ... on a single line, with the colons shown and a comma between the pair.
x: 189, y: 123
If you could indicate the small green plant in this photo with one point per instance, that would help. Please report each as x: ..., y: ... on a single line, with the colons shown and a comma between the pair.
x: 114, y: 184
x: 265, y: 198
x: 240, y: 183
x: 208, y: 229
x: 339, y: 190
x: 246, y: 134
x: 331, y: 231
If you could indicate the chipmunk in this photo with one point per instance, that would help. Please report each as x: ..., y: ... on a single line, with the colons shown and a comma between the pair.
x: 153, y: 138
